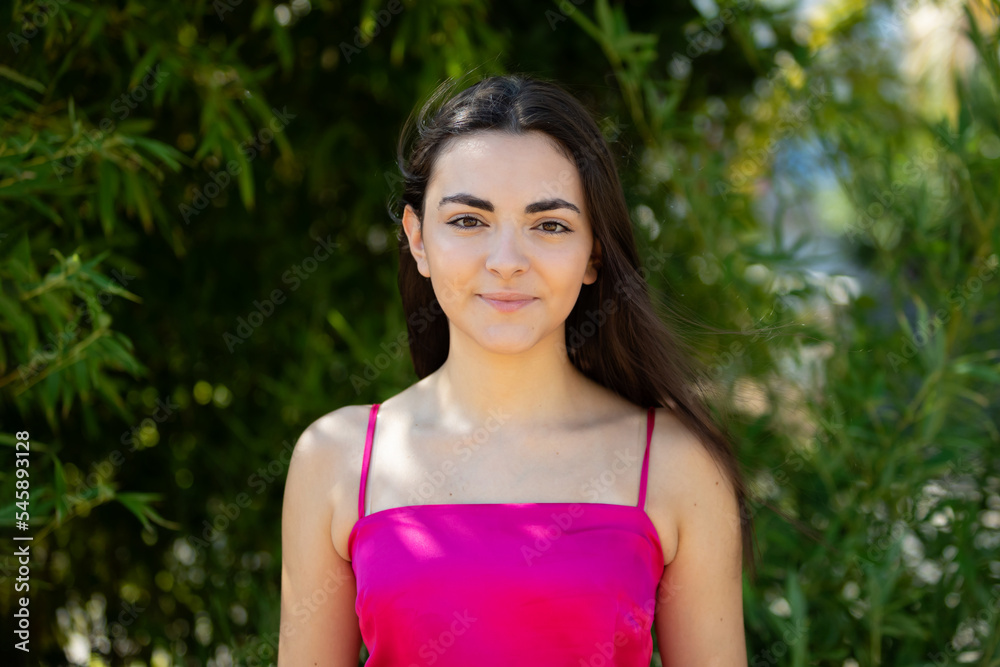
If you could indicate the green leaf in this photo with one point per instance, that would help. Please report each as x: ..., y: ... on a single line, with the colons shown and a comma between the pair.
x: 130, y: 127
x: 605, y: 20
x: 245, y: 180
x: 166, y: 153
x: 979, y: 371
x: 340, y: 324
x: 107, y: 184
x: 135, y: 198
x: 800, y: 618
x: 210, y: 140
x: 25, y: 81
x: 139, y: 72
x: 82, y: 379
x: 36, y: 445
x: 118, y: 354
x: 135, y: 504
x: 138, y: 504
x: 59, y: 478
x: 109, y: 392
x: 44, y: 209
x: 283, y: 45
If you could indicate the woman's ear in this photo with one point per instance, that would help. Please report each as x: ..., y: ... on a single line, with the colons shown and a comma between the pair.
x: 415, y: 240
x: 593, y: 265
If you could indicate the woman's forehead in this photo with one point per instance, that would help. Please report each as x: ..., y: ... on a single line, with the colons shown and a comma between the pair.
x: 531, y: 164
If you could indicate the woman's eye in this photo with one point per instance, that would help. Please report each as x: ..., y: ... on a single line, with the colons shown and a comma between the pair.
x: 554, y: 230
x: 458, y: 222
x: 553, y: 226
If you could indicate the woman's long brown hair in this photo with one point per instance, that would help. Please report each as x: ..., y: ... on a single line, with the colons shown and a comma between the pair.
x: 613, y: 334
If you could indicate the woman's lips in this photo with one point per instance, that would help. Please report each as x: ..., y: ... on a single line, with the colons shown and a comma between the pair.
x: 505, y: 306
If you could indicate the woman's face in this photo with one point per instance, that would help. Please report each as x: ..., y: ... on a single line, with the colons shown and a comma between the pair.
x: 504, y: 213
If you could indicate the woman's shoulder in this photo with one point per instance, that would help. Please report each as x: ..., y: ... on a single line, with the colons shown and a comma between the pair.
x: 330, y: 444
x: 690, y: 484
x: 333, y: 431
x: 687, y: 454
x: 341, y: 432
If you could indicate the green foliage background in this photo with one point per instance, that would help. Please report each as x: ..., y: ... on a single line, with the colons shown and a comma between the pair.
x: 788, y: 183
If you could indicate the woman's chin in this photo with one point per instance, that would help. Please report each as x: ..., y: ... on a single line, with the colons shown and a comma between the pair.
x: 506, y: 344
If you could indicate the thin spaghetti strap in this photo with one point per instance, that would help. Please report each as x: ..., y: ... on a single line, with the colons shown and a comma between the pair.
x: 368, y: 453
x: 645, y: 459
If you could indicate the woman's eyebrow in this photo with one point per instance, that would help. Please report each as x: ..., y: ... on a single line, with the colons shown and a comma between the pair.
x: 477, y: 202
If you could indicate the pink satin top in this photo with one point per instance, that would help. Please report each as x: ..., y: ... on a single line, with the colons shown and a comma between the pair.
x: 554, y: 584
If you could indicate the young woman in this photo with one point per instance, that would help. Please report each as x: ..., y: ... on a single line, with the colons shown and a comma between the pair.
x: 551, y: 491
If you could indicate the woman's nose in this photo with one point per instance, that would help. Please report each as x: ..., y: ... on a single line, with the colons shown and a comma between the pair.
x: 506, y: 254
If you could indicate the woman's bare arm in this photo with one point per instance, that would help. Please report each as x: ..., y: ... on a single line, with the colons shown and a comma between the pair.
x: 699, y: 612
x: 319, y: 626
